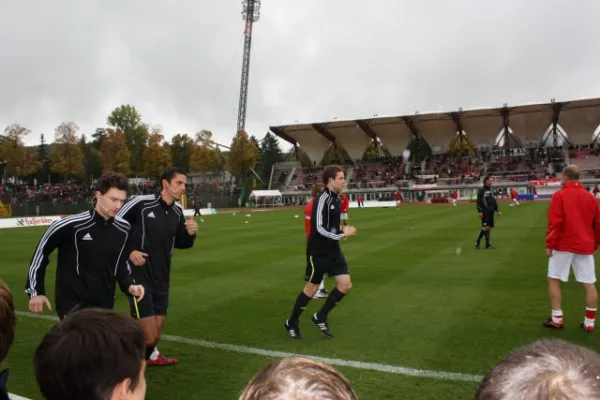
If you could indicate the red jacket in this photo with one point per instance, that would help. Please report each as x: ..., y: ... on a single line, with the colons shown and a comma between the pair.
x: 344, y: 204
x: 307, y: 216
x: 573, y: 220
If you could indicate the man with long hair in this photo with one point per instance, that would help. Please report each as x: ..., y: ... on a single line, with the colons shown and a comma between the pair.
x: 324, y: 255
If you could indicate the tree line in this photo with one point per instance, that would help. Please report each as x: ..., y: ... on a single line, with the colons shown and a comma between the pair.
x: 132, y: 147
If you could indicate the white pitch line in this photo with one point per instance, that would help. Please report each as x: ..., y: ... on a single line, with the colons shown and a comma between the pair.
x: 393, y: 369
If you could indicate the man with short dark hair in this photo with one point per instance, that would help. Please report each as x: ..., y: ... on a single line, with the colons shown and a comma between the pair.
x: 572, y: 238
x: 94, y: 354
x: 158, y: 226
x: 8, y: 322
x: 324, y: 255
x: 91, y: 255
x: 547, y: 369
x: 486, y: 207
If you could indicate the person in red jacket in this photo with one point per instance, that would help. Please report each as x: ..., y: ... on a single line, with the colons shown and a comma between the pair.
x: 322, y: 292
x: 454, y: 196
x: 344, y: 206
x: 398, y: 198
x: 572, y: 239
x: 513, y: 196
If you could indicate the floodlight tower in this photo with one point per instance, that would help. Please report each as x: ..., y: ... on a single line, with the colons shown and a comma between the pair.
x: 251, y: 14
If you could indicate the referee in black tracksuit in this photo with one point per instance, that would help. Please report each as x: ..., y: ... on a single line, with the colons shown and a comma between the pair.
x: 486, y: 207
x: 91, y: 255
x: 323, y: 254
x: 158, y: 226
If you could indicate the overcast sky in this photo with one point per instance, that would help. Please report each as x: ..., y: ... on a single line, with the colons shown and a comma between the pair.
x: 179, y: 62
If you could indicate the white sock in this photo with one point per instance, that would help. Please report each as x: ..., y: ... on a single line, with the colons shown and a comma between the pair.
x: 322, y: 285
x: 155, y: 354
x: 557, y: 316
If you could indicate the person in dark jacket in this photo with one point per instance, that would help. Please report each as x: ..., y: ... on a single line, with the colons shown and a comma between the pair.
x: 486, y: 207
x: 158, y: 226
x: 324, y: 255
x: 91, y: 258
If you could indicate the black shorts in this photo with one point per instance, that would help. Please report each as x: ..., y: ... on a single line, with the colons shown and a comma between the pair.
x: 318, y: 266
x: 152, y: 304
x: 488, y: 219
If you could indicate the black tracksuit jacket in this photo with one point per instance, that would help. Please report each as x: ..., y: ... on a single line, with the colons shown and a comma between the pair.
x: 91, y: 260
x: 486, y: 201
x: 157, y: 228
x: 325, y: 233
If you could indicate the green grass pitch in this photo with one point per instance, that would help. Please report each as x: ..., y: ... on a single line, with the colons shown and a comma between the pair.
x: 423, y: 299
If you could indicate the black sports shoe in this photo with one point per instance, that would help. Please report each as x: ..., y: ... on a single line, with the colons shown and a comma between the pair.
x: 293, y: 330
x: 477, y: 245
x: 490, y: 247
x: 322, y: 325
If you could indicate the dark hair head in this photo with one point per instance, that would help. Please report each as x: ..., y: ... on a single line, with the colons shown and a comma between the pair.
x: 486, y: 179
x: 8, y: 320
x: 547, y: 369
x: 330, y: 172
x: 112, y: 180
x: 88, y: 354
x: 170, y: 173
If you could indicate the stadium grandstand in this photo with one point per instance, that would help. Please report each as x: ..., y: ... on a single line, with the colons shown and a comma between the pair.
x: 522, y: 147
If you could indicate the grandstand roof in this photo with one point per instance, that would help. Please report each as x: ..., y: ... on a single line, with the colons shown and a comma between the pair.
x: 578, y: 119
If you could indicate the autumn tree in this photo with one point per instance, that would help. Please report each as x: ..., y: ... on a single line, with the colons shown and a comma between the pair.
x: 127, y: 119
x: 20, y: 161
x: 181, y: 149
x: 242, y: 155
x: 114, y: 153
x: 157, y: 156
x: 66, y: 157
x: 205, y: 157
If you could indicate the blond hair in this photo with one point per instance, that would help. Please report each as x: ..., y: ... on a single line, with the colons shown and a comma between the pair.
x: 298, y: 378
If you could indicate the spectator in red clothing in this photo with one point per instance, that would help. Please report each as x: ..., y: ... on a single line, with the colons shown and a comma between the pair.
x: 513, y: 196
x: 572, y: 238
x: 344, y: 206
x: 398, y: 198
